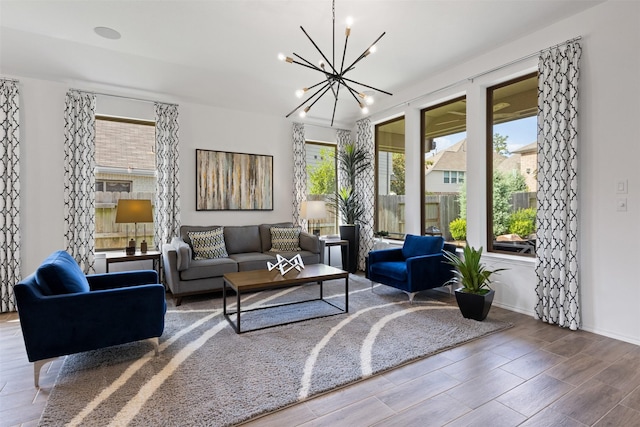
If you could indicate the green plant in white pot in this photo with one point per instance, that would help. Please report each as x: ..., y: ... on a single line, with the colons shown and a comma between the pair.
x: 474, y: 296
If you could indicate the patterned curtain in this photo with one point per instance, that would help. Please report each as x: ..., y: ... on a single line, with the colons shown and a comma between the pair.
x: 10, y: 199
x: 299, y: 173
x: 366, y: 188
x: 79, y: 178
x: 343, y: 137
x: 166, y: 215
x: 557, y: 214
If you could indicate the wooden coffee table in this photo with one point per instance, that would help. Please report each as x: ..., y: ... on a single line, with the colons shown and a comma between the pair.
x: 259, y: 280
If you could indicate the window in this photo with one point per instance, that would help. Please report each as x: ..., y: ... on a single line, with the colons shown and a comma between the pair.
x: 512, y: 162
x: 444, y: 162
x: 125, y: 168
x: 321, y: 181
x: 453, y: 177
x: 114, y: 186
x: 390, y: 175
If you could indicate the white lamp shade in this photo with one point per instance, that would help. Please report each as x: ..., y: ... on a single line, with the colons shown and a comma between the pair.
x: 313, y: 209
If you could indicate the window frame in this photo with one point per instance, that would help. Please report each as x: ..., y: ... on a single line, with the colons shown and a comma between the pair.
x: 125, y: 120
x: 334, y: 147
x: 489, y: 163
x: 376, y: 172
x: 423, y: 130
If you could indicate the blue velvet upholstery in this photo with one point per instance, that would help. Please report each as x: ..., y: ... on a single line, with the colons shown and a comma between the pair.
x: 417, y: 266
x: 60, y: 274
x: 117, y: 308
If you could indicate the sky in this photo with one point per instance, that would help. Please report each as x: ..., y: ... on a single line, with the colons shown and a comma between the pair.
x: 520, y: 132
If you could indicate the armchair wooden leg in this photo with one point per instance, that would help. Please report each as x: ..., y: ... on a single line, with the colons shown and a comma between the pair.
x: 37, y: 366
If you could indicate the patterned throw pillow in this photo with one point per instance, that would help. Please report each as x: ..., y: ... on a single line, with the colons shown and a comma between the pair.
x: 285, y: 239
x: 208, y: 244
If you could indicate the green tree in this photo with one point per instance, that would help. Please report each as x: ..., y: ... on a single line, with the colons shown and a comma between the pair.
x: 504, y: 185
x: 398, y: 166
x: 322, y: 175
x: 500, y: 144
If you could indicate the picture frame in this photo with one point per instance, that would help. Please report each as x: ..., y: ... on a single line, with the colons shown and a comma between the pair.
x: 231, y: 181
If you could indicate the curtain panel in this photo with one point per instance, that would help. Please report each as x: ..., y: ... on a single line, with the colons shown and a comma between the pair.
x: 10, y: 199
x: 557, y: 288
x: 166, y: 216
x: 343, y: 137
x: 299, y: 173
x: 79, y: 178
x: 365, y: 185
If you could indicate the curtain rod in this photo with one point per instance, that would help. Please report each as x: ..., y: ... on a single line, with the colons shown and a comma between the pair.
x: 124, y: 97
x: 515, y: 61
x: 7, y: 79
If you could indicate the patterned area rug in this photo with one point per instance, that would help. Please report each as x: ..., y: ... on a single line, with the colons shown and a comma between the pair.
x: 206, y: 374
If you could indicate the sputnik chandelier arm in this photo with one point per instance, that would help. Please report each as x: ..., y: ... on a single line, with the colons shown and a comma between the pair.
x: 333, y: 79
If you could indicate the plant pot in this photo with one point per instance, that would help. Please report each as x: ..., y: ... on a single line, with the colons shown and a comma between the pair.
x: 474, y: 306
x: 350, y: 232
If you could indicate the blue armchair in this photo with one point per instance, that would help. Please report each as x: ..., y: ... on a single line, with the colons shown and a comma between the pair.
x: 62, y: 311
x: 417, y: 266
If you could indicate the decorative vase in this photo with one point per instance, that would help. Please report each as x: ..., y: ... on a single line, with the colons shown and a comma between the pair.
x: 474, y: 306
x: 351, y: 233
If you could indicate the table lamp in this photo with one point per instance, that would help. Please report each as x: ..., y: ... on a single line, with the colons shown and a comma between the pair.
x: 313, y: 209
x: 134, y: 211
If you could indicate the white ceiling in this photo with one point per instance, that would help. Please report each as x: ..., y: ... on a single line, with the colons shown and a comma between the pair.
x: 224, y: 52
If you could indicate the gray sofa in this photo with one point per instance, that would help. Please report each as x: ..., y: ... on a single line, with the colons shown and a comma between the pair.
x: 248, y: 248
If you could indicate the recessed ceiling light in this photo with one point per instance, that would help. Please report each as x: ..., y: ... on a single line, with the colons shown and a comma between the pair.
x: 107, y: 33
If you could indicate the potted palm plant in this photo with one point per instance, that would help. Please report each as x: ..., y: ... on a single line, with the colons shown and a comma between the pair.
x: 352, y: 161
x: 474, y: 296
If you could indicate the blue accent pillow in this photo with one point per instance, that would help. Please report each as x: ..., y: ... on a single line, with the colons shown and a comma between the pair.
x: 421, y: 245
x: 61, y: 274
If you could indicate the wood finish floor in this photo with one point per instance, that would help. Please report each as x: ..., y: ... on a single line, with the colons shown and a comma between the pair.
x: 533, y: 374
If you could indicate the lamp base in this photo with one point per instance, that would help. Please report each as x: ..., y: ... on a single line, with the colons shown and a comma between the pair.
x: 131, y: 248
x: 143, y: 247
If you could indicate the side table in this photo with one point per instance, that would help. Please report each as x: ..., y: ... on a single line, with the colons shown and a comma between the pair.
x: 119, y: 256
x: 335, y: 242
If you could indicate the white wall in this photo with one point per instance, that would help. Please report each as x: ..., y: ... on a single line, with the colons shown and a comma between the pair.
x: 609, y: 150
x: 42, y: 141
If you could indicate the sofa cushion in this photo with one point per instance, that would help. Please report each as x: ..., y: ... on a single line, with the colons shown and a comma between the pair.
x: 208, y: 244
x: 393, y: 269
x: 252, y: 260
x: 285, y: 239
x: 242, y: 238
x: 265, y: 234
x: 421, y: 245
x: 185, y: 229
x: 207, y: 268
x: 61, y: 274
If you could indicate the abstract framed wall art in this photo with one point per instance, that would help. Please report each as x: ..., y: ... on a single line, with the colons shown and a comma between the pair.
x: 233, y: 181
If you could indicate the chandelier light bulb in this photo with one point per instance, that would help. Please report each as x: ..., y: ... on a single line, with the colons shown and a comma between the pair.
x: 283, y: 57
x: 321, y: 64
x: 303, y: 113
x: 349, y: 21
x: 369, y: 100
x: 299, y: 93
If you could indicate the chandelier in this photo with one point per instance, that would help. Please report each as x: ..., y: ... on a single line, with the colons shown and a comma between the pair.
x: 333, y: 77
